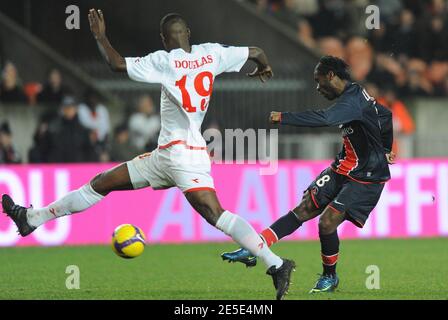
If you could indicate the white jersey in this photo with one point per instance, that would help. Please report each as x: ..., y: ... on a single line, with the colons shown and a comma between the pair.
x: 187, y: 83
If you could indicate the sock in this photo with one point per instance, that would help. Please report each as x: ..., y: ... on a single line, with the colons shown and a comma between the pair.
x: 246, y: 236
x: 330, y: 252
x: 72, y: 202
x: 281, y: 228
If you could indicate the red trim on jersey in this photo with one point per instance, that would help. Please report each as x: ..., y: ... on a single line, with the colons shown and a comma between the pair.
x: 269, y: 236
x: 334, y: 209
x: 350, y: 160
x: 314, y: 199
x: 200, y: 189
x: 356, y: 222
x: 183, y: 142
x: 329, y: 260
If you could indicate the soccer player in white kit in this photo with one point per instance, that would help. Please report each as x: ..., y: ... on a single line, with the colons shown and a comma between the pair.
x: 186, y: 73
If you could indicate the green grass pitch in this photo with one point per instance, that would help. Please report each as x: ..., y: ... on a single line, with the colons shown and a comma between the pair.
x: 409, y: 269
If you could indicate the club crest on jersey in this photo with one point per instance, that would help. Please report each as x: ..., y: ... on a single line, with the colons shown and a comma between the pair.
x: 346, y: 131
x: 193, y: 64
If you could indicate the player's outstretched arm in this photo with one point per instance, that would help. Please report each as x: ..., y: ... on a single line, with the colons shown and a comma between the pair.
x: 263, y: 69
x: 98, y: 27
x: 340, y: 113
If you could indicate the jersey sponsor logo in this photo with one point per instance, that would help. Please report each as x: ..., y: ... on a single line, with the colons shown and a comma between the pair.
x: 193, y: 64
x: 195, y: 180
x: 337, y: 202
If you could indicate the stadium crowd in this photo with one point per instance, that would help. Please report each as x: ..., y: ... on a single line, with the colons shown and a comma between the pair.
x: 72, y: 130
x: 408, y: 53
x: 406, y: 57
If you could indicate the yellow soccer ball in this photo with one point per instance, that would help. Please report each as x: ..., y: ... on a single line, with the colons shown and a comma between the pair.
x: 128, y: 241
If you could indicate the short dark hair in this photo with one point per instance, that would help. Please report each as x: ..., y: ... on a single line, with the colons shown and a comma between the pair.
x: 335, y: 64
x: 168, y: 20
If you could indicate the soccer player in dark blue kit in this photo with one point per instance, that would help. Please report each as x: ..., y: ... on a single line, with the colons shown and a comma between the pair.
x: 350, y: 188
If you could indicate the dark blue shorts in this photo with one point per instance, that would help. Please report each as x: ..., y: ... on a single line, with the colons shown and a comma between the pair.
x: 343, y: 194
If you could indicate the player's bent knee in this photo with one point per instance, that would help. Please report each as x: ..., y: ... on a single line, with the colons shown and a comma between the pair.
x: 98, y: 184
x: 306, y: 209
x: 326, y: 225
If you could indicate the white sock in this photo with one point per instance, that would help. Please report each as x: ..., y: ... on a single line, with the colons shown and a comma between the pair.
x: 72, y: 202
x: 246, y: 236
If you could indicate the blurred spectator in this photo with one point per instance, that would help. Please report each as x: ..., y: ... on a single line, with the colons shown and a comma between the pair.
x: 144, y: 125
x: 306, y: 7
x: 305, y: 34
x: 94, y: 116
x: 332, y: 46
x: 390, y: 9
x: 69, y: 140
x: 436, y: 74
x: 10, y: 91
x: 122, y: 149
x: 8, y: 154
x: 402, y: 120
x: 386, y: 71
x: 381, y: 39
x: 332, y: 19
x: 288, y: 13
x: 359, y: 56
x: 404, y: 36
x: 54, y: 90
x: 409, y: 30
x: 418, y: 84
x: 40, y: 151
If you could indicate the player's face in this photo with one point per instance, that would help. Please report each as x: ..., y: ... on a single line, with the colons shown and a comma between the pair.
x: 324, y: 85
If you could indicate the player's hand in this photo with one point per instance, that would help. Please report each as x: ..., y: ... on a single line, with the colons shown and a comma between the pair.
x: 264, y: 73
x: 390, y: 157
x: 97, y: 24
x: 275, y: 117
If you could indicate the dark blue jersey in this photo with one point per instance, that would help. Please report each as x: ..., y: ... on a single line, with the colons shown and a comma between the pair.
x: 366, y: 131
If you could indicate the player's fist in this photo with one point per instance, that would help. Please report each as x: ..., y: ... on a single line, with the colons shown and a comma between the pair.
x: 390, y: 157
x: 275, y: 117
x: 263, y: 72
x: 97, y: 24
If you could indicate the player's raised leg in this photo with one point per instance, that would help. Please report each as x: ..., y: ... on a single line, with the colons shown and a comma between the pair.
x: 28, y: 219
x: 281, y: 228
x: 207, y: 204
x: 329, y: 221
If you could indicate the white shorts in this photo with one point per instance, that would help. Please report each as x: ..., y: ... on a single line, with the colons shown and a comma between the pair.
x: 187, y: 169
